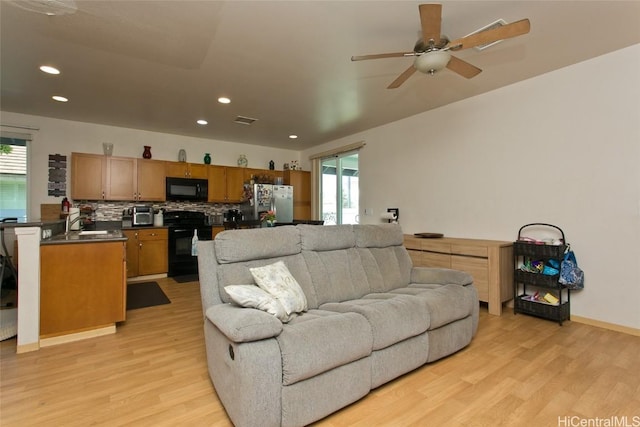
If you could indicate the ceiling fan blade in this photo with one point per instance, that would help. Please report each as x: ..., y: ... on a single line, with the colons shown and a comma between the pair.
x: 430, y: 19
x: 463, y: 68
x: 382, y: 55
x: 402, y: 77
x: 505, y: 32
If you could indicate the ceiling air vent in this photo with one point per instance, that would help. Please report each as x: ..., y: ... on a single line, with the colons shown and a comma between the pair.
x: 497, y: 24
x: 244, y: 120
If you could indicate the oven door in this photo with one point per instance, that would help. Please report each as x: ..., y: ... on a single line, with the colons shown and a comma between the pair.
x: 181, y: 262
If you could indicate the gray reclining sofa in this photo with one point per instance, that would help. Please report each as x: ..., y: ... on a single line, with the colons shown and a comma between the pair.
x: 371, y: 317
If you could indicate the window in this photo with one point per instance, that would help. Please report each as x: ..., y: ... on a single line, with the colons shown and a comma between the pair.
x: 340, y: 189
x: 13, y: 178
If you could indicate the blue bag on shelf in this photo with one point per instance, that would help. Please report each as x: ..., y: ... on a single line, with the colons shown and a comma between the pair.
x: 570, y: 274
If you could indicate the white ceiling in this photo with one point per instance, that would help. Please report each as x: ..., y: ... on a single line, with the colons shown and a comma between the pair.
x: 161, y: 65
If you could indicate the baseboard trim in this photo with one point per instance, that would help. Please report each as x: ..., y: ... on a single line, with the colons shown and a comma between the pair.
x: 25, y: 348
x: 62, y: 339
x: 606, y: 325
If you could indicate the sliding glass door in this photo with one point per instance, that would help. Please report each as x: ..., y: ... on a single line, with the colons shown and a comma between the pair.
x: 340, y: 189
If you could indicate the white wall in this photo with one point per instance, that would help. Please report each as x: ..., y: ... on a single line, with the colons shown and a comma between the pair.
x: 64, y: 137
x: 562, y: 148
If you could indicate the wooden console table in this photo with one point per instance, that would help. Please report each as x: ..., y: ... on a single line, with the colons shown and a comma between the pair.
x: 490, y: 262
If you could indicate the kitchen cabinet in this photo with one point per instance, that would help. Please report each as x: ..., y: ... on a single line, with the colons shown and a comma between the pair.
x: 82, y: 287
x: 88, y: 176
x: 225, y: 184
x: 490, y: 262
x: 186, y: 170
x: 120, y: 178
x: 150, y: 176
x: 301, y: 181
x: 147, y: 251
x: 215, y: 230
x: 96, y: 177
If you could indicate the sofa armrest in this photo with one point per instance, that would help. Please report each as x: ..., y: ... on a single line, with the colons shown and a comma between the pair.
x: 440, y: 276
x: 243, y: 324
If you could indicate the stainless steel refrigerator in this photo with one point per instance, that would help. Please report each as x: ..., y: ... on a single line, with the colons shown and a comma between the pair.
x: 268, y: 197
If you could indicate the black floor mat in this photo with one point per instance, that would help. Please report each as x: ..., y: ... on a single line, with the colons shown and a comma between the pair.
x: 145, y: 294
x: 186, y: 278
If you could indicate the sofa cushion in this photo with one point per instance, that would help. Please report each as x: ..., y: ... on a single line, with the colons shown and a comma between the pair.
x: 314, y: 238
x: 336, y: 275
x: 318, y: 341
x: 445, y: 303
x: 378, y: 236
x: 442, y: 276
x: 259, y: 243
x: 277, y: 280
x: 393, y: 318
x: 251, y: 296
x: 239, y: 274
x: 386, y: 268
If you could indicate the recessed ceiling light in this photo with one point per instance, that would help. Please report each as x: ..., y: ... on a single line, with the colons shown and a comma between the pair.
x: 293, y: 136
x: 202, y: 122
x: 59, y: 98
x: 224, y: 100
x: 49, y: 69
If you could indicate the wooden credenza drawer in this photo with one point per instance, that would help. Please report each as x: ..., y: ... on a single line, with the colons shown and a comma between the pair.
x: 478, y: 268
x: 437, y: 260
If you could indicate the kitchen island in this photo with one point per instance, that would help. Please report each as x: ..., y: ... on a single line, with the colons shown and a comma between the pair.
x: 82, y: 285
x: 65, y: 277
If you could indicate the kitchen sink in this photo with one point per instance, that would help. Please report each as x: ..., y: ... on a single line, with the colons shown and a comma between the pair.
x: 92, y: 232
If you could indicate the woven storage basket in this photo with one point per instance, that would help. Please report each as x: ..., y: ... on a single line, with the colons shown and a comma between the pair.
x: 547, y: 311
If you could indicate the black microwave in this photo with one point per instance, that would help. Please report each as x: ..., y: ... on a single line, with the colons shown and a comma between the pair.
x: 187, y: 189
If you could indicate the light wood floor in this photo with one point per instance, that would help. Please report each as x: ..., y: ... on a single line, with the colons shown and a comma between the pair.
x: 518, y: 371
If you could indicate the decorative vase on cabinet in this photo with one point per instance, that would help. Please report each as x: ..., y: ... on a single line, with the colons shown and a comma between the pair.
x: 146, y: 154
x: 242, y: 161
x: 207, y: 159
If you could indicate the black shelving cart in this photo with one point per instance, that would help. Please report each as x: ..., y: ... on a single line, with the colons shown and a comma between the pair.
x: 530, y: 283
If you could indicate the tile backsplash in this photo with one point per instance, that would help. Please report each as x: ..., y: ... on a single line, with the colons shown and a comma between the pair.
x: 112, y: 211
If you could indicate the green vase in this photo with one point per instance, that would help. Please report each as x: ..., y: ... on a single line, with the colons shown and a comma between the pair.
x: 207, y: 159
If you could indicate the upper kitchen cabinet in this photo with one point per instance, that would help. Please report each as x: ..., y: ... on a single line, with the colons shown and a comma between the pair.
x: 225, y: 184
x: 88, y: 176
x: 186, y: 170
x: 121, y: 178
x: 96, y: 177
x: 151, y: 180
x: 301, y: 181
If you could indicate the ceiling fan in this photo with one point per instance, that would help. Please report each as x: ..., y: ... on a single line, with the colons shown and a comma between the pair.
x: 433, y: 51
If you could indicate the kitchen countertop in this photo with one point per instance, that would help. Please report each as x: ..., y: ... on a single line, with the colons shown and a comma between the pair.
x: 30, y: 224
x: 85, y: 237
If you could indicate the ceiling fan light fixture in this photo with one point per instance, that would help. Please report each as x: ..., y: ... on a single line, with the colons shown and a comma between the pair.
x: 432, y: 62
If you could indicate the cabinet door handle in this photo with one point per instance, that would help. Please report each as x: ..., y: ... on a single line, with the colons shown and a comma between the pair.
x: 140, y: 245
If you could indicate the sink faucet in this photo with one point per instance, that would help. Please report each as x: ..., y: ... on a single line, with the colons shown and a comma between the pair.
x: 69, y: 223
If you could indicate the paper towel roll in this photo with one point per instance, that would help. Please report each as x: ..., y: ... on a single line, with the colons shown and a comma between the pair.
x: 388, y: 215
x: 74, y: 213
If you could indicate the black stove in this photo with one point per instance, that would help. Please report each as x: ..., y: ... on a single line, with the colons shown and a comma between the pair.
x: 182, y: 227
